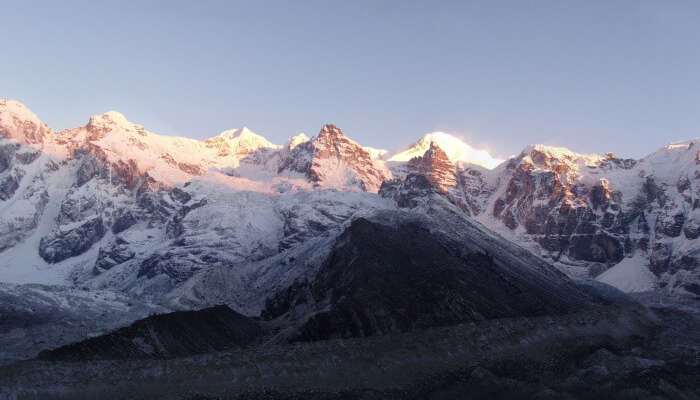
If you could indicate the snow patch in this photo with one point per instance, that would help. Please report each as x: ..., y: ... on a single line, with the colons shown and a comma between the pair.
x: 630, y: 275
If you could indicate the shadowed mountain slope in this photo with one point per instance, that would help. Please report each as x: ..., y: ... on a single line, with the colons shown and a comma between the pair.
x: 170, y: 335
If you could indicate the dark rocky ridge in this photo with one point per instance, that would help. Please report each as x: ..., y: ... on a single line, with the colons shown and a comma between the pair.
x: 612, y: 352
x: 380, y: 279
x: 177, y: 334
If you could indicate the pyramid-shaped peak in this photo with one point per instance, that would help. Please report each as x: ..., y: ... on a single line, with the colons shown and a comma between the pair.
x: 331, y: 130
x: 435, y: 155
x: 435, y: 165
x: 435, y: 151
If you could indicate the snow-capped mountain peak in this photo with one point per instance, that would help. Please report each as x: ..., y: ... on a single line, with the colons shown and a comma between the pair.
x: 457, y: 151
x: 238, y: 133
x: 561, y: 154
x: 297, y: 140
x: 245, y: 141
x: 111, y: 118
x: 19, y: 123
x: 674, y: 160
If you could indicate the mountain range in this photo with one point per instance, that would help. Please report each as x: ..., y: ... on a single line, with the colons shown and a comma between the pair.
x: 241, y: 245
x: 111, y: 205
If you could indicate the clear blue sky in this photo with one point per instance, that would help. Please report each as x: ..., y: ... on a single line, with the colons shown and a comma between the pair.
x: 594, y: 76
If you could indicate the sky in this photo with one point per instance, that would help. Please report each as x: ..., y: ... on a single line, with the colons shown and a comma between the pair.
x: 593, y: 76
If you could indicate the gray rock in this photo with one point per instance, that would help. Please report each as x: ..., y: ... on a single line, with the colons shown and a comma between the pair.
x: 124, y: 221
x: 112, y: 254
x: 9, y: 185
x: 60, y: 245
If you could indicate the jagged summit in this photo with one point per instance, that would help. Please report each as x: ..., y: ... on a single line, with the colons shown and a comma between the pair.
x: 436, y: 166
x: 338, y: 161
x: 455, y: 148
x: 330, y: 130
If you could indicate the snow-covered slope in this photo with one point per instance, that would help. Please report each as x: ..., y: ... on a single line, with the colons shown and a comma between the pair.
x: 456, y: 150
x: 186, y: 223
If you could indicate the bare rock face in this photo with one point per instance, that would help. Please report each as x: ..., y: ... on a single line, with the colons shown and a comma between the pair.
x: 463, y: 185
x: 544, y: 197
x: 332, y: 158
x: 123, y: 221
x: 170, y: 268
x: 114, y: 253
x: 408, y: 192
x: 7, y: 153
x: 60, y: 245
x: 9, y: 184
x: 89, y: 168
x: 436, y: 167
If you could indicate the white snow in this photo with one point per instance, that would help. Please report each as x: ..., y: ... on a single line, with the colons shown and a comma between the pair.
x: 297, y: 140
x: 630, y: 275
x: 376, y: 154
x: 455, y: 148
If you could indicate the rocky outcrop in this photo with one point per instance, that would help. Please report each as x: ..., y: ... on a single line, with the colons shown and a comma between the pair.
x: 65, y: 243
x: 111, y: 254
x: 124, y: 220
x: 170, y: 266
x: 89, y: 168
x: 7, y: 153
x: 409, y: 192
x: 174, y: 226
x: 9, y: 184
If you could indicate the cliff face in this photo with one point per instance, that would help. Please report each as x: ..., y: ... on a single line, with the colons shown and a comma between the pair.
x: 587, y: 212
x: 330, y: 159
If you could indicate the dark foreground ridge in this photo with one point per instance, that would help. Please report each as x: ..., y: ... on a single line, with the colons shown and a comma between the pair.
x: 169, y: 335
x: 380, y: 279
